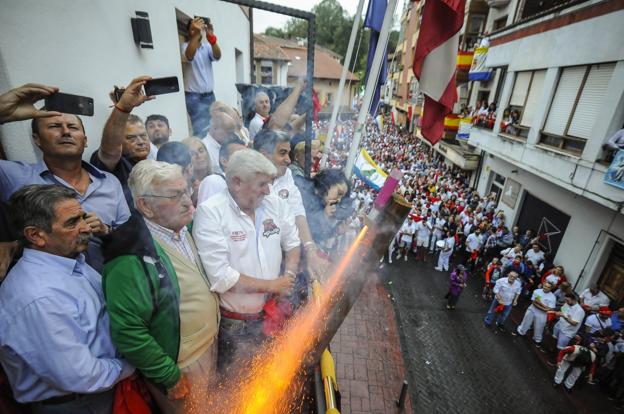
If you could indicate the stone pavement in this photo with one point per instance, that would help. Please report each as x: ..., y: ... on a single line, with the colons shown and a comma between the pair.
x: 367, y: 354
x: 455, y: 364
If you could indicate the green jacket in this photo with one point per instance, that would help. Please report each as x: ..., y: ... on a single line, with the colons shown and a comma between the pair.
x: 142, y: 296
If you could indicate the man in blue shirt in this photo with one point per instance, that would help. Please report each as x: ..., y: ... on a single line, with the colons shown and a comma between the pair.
x: 62, y: 139
x: 197, y: 58
x: 55, y: 344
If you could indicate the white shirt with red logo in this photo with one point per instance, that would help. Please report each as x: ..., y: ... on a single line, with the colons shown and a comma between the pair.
x: 229, y: 243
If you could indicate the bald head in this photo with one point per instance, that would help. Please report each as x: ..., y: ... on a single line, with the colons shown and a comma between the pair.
x: 221, y: 126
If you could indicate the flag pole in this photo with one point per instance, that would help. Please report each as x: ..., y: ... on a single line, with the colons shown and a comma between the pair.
x: 373, y: 77
x: 341, y: 85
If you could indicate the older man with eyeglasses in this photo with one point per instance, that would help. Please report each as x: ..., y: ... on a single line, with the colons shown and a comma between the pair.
x: 164, y: 316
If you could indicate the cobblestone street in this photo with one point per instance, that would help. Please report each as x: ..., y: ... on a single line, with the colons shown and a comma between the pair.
x: 454, y: 363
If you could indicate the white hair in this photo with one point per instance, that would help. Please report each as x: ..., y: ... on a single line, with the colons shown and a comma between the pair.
x: 246, y: 163
x: 147, y: 174
x: 260, y: 95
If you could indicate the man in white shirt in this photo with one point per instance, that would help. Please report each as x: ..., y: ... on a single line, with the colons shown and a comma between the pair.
x: 445, y: 253
x: 506, y: 292
x: 221, y: 128
x: 543, y: 301
x: 407, y: 237
x: 275, y: 146
x: 215, y: 183
x: 197, y: 58
x: 438, y: 231
x: 570, y: 319
x: 263, y: 108
x: 535, y: 255
x: 598, y: 321
x: 423, y: 234
x: 241, y: 235
x: 592, y: 299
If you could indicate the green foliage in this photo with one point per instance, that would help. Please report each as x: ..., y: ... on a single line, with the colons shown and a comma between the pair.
x: 333, y: 28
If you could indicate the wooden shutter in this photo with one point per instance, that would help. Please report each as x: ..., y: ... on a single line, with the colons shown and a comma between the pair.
x: 535, y: 93
x: 563, y: 101
x: 591, y: 100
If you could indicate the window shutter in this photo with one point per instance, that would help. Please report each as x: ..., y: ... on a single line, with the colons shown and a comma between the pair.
x: 563, y: 101
x: 591, y: 100
x: 521, y: 86
x: 535, y: 93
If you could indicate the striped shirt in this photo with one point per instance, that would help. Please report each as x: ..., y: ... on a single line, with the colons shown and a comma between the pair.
x: 176, y: 240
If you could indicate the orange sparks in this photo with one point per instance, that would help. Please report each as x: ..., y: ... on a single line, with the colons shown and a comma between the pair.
x: 271, y: 382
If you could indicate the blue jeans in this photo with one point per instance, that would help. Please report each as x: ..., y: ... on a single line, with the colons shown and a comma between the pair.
x: 100, y: 403
x: 489, y: 318
x: 238, y: 341
x: 198, y: 108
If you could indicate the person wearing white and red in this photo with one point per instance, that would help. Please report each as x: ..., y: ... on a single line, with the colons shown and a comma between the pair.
x: 535, y: 255
x: 438, y: 231
x: 598, y: 321
x: 593, y: 298
x: 423, y: 233
x: 543, y: 300
x: 570, y: 318
x: 263, y: 108
x: 197, y: 57
x: 506, y: 292
x: 407, y: 231
x: 241, y: 235
x: 571, y: 357
x: 445, y: 253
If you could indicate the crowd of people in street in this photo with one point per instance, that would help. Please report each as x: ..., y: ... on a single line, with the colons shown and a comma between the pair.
x: 470, y: 236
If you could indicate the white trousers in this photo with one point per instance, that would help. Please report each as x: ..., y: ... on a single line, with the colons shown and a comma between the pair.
x: 443, y: 260
x: 562, y: 339
x: 434, y: 239
x: 535, y: 317
x: 572, y: 376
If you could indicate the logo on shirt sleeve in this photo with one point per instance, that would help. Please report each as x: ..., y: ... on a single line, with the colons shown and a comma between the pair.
x: 283, y: 193
x: 270, y: 228
x: 238, y: 236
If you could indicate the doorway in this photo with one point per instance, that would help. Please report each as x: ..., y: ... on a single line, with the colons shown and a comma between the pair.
x: 611, y: 280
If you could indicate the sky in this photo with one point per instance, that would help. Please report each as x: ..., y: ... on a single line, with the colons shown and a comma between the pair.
x: 263, y: 19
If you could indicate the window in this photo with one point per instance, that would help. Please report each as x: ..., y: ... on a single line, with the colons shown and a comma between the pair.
x: 575, y: 106
x: 266, y: 72
x: 497, y: 184
x: 500, y: 23
x: 330, y: 98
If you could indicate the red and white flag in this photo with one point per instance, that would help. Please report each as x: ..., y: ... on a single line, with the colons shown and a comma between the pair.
x: 435, y: 61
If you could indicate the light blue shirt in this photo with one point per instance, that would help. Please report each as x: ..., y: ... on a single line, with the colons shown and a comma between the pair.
x: 104, y: 195
x: 54, y: 329
x: 198, y: 76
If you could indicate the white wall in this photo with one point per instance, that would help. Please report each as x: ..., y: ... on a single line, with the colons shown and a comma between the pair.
x: 86, y: 46
x: 587, y: 218
x: 593, y: 40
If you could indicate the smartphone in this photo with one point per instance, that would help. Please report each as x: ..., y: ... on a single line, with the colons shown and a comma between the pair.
x: 69, y: 104
x: 161, y: 86
x: 206, y: 19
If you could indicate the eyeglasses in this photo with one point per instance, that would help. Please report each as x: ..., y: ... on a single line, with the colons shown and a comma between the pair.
x: 134, y: 138
x: 177, y: 197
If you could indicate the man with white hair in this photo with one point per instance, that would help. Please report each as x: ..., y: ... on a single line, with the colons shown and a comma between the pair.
x: 263, y: 107
x: 221, y: 127
x: 241, y: 235
x: 164, y: 315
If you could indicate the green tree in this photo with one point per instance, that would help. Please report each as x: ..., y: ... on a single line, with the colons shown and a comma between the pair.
x: 333, y: 29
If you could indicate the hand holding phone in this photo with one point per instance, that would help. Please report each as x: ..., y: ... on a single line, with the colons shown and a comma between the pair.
x: 18, y: 104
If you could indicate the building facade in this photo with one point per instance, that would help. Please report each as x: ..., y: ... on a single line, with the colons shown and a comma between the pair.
x: 85, y: 48
x: 559, y: 70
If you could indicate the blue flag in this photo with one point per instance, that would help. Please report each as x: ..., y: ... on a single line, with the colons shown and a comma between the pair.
x: 374, y: 20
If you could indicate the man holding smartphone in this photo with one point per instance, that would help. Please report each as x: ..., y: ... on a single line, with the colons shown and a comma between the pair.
x: 197, y: 58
